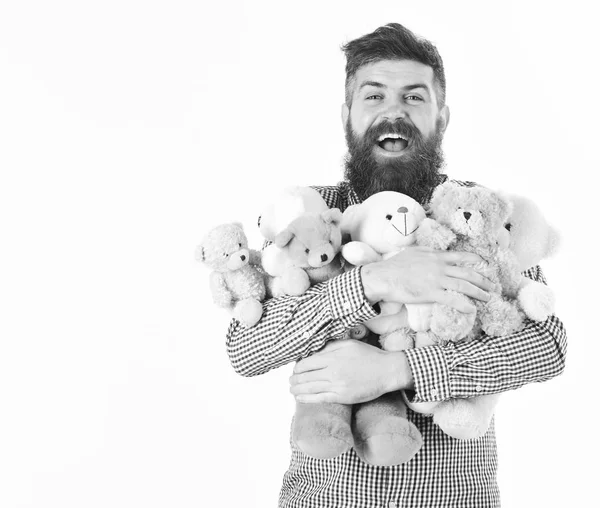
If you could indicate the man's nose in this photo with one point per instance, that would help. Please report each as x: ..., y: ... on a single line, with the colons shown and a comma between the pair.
x: 395, y: 111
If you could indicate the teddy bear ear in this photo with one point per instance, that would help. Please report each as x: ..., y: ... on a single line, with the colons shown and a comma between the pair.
x: 239, y: 225
x: 283, y: 238
x: 332, y: 216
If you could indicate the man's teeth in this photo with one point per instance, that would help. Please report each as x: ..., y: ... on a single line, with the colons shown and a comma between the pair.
x: 390, y: 136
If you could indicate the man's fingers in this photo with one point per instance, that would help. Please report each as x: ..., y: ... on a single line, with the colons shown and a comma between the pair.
x: 459, y: 258
x: 314, y: 362
x: 466, y: 288
x: 456, y: 301
x: 318, y: 397
x: 470, y: 275
x: 310, y: 388
x: 308, y: 377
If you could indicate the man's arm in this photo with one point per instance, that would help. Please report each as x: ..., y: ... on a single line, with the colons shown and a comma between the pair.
x: 293, y: 327
x: 490, y: 364
x: 354, y: 372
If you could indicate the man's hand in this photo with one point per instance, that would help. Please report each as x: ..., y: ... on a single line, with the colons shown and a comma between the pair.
x: 348, y: 372
x: 422, y: 275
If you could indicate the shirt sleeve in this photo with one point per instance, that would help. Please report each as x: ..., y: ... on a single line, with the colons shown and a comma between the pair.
x: 292, y: 327
x: 490, y: 364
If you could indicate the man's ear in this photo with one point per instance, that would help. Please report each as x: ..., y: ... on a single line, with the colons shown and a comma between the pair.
x: 345, y: 115
x: 444, y: 118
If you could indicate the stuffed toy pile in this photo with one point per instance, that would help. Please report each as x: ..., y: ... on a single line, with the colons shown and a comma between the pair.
x: 304, y: 247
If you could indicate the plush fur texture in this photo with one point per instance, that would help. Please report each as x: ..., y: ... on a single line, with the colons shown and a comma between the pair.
x: 305, y: 252
x: 287, y: 205
x: 236, y: 283
x: 530, y: 237
x: 469, y: 219
x: 379, y: 228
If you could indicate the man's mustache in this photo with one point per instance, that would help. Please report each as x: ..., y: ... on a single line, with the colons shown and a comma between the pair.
x: 400, y: 127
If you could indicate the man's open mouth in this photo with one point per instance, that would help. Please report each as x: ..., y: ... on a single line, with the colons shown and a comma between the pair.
x: 392, y: 142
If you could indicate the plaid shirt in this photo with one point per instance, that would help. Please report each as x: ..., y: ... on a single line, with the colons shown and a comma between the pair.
x: 446, y: 472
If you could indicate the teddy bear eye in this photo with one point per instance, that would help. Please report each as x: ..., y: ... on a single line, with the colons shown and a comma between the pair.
x: 225, y: 254
x: 307, y: 250
x: 508, y: 226
x: 240, y: 245
x: 388, y: 217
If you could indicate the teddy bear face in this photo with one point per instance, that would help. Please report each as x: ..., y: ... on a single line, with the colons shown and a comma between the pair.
x: 528, y: 234
x: 224, y: 248
x: 475, y: 212
x: 313, y: 240
x: 386, y: 221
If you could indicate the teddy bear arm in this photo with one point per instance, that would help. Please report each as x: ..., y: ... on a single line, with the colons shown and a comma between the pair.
x: 360, y: 253
x: 435, y: 235
x: 536, y: 299
x: 221, y: 294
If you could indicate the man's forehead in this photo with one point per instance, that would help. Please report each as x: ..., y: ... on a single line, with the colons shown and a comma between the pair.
x: 394, y: 73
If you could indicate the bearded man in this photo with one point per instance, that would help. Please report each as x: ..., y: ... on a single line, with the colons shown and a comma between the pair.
x: 394, y: 118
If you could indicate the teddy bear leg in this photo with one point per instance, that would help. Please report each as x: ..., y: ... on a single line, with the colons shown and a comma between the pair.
x: 248, y: 311
x: 466, y: 418
x: 382, y: 434
x: 500, y: 317
x: 449, y: 324
x: 322, y: 431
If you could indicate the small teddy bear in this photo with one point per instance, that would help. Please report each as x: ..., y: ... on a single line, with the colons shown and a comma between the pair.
x: 305, y: 252
x: 529, y: 236
x: 236, y: 281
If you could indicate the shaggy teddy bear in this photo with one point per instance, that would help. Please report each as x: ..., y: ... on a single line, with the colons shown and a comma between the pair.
x: 468, y: 219
x: 236, y: 282
x: 305, y: 252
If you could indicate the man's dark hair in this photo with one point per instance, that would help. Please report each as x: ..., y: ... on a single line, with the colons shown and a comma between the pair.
x: 393, y: 42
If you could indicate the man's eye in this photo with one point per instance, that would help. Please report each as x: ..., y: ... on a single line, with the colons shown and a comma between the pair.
x: 374, y: 97
x: 414, y: 98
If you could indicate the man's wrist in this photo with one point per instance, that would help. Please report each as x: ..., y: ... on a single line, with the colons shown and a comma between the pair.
x: 371, y: 283
x: 399, y: 375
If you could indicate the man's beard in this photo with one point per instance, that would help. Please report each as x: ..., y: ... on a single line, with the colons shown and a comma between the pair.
x: 415, y: 173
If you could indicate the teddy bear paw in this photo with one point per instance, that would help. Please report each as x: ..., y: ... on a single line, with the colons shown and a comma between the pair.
x: 462, y: 419
x: 537, y: 301
x: 248, y: 311
x: 398, y: 340
x: 390, y: 442
x: 500, y: 317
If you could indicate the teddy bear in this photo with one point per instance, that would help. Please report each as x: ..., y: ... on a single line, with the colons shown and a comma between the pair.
x: 468, y: 219
x: 493, y: 214
x: 236, y: 282
x: 379, y: 228
x: 529, y: 236
x: 305, y: 252
x: 378, y: 430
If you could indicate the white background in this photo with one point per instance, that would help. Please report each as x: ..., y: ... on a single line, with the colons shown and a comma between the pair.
x: 129, y: 128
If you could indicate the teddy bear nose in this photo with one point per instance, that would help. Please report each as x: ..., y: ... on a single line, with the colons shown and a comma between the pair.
x: 323, y: 257
x: 243, y: 257
x: 402, y: 209
x: 467, y: 215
